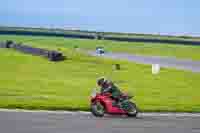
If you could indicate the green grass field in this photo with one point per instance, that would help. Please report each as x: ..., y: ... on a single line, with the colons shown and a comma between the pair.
x: 169, y: 50
x: 32, y: 82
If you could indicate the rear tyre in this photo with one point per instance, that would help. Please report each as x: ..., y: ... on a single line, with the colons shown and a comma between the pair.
x: 133, y: 111
x: 97, y: 109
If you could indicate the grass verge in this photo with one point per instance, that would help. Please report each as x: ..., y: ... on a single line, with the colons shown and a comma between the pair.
x: 32, y: 82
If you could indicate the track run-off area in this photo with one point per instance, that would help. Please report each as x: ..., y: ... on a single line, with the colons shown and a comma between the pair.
x: 167, y: 62
x: 24, y: 121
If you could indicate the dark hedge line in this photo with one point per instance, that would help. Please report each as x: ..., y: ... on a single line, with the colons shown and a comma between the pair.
x: 99, y: 36
x: 185, y: 42
x: 46, y: 34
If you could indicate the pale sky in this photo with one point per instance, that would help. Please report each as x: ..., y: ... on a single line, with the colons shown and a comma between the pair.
x: 138, y: 16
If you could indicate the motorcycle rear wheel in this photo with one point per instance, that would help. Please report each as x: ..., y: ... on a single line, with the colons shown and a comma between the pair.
x: 97, y: 109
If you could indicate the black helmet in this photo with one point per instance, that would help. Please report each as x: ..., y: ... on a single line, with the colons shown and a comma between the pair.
x: 100, y: 81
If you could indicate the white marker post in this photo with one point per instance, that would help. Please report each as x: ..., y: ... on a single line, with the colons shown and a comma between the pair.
x: 155, y: 68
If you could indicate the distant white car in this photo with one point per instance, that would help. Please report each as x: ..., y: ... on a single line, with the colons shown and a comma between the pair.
x: 100, y: 50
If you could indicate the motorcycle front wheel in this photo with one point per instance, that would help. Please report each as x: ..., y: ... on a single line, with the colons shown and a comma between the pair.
x: 133, y: 111
x: 97, y: 109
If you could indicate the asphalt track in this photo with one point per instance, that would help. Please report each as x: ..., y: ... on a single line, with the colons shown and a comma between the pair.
x: 167, y: 62
x: 52, y: 122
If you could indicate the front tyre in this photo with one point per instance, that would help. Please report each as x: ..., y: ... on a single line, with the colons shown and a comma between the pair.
x: 133, y: 111
x: 97, y: 109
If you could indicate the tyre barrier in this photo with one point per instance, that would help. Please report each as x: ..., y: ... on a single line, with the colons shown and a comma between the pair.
x: 52, y: 55
x: 6, y: 44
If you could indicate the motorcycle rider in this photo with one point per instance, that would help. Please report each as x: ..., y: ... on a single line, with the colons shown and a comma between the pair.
x: 109, y: 86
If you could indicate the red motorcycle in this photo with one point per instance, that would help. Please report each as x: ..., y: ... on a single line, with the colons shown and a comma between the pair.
x: 103, y: 103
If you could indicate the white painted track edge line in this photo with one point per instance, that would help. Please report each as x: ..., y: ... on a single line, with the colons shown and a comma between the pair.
x: 87, y: 113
